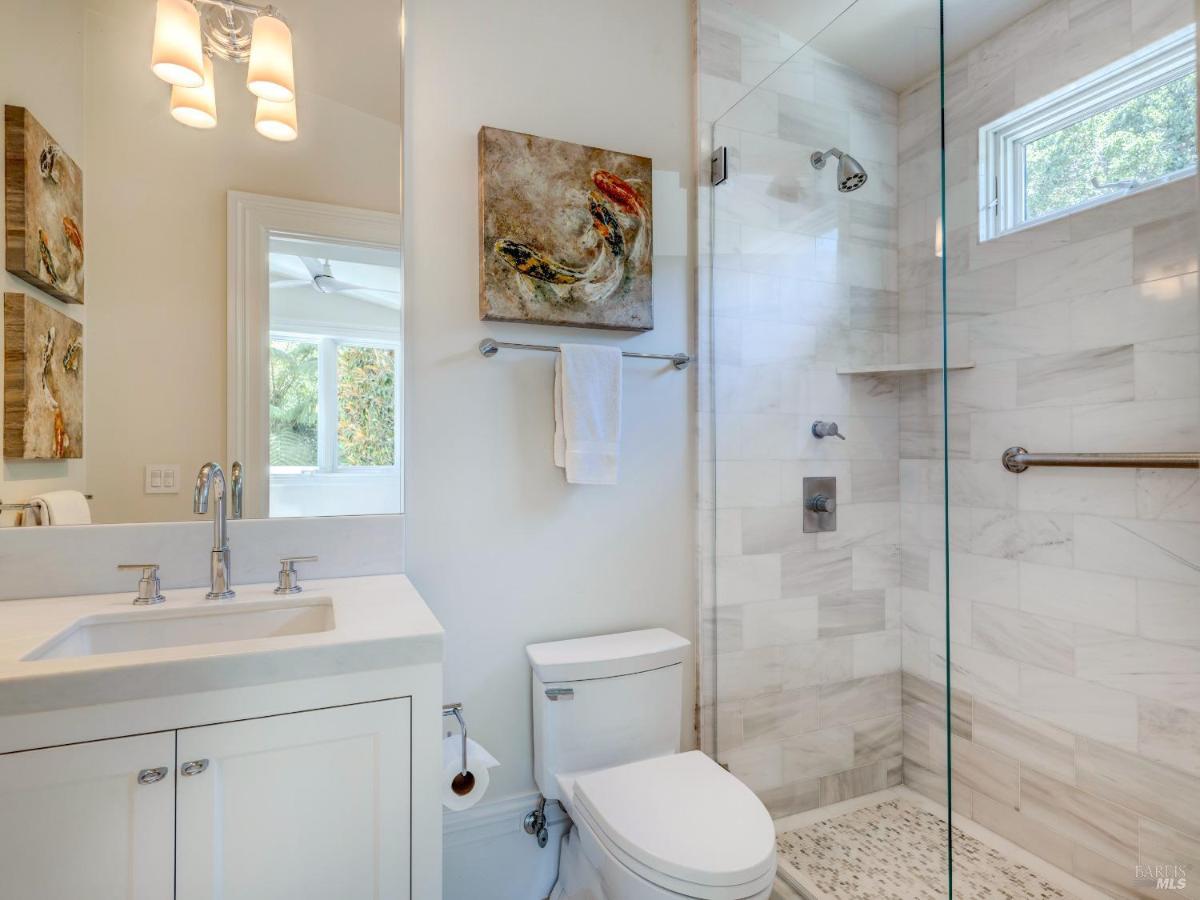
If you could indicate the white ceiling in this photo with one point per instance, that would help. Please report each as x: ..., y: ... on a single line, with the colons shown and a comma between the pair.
x: 892, y: 42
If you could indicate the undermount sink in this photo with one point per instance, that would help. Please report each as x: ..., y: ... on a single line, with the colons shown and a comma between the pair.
x: 154, y: 629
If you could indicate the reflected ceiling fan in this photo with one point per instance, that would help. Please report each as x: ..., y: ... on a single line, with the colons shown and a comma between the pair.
x: 321, y: 278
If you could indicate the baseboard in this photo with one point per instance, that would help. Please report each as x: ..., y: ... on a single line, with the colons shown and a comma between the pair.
x: 492, y: 819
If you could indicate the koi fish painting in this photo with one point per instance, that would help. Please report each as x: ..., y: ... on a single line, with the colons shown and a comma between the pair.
x: 43, y: 381
x: 43, y: 202
x: 566, y: 234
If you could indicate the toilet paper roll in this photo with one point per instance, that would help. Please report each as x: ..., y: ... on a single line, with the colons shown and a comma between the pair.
x: 460, y: 792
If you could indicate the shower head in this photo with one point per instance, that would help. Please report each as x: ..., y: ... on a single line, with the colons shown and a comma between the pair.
x: 850, y: 175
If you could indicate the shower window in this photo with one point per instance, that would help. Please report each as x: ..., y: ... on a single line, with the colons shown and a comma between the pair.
x: 1124, y: 128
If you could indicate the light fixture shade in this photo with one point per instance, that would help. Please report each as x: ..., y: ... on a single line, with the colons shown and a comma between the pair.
x: 196, y: 107
x: 271, y: 76
x: 276, y: 121
x: 178, y: 57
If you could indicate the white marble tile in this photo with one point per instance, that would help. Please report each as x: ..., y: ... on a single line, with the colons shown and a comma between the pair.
x: 1099, y: 492
x: 776, y: 529
x: 1166, y: 551
x: 1086, y: 819
x: 876, y: 653
x: 817, y: 663
x: 1032, y: 537
x: 1169, y: 612
x: 748, y: 673
x: 818, y: 753
x: 1151, y: 311
x: 1049, y: 643
x: 1081, y: 267
x: 1168, y: 368
x: 774, y: 623
x: 774, y: 717
x: 860, y: 699
x: 808, y: 573
x: 1080, y: 706
x: 1075, y: 595
x: 982, y: 483
x: 984, y: 675
x: 1159, y: 792
x: 1022, y: 333
x: 850, y: 612
x: 1030, y: 741
x: 1168, y: 494
x: 1104, y: 375
x: 1169, y: 734
x: 983, y: 579
x: 863, y: 525
x: 1153, y: 669
x: 748, y: 579
x: 1115, y: 427
x: 875, y: 567
x: 748, y: 484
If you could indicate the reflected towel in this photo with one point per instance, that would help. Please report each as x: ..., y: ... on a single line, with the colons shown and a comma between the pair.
x: 61, y: 508
x: 587, y: 413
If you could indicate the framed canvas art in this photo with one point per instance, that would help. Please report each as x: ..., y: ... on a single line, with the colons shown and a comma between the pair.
x: 43, y: 381
x: 566, y: 233
x: 43, y: 206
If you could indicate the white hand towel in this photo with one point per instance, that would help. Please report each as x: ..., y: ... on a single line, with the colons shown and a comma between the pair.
x: 62, y: 508
x: 587, y: 412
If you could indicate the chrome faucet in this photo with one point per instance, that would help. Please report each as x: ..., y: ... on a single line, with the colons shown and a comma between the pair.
x: 210, y: 474
x: 236, y: 482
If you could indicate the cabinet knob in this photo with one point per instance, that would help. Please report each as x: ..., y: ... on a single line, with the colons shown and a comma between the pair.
x: 193, y: 767
x: 151, y: 776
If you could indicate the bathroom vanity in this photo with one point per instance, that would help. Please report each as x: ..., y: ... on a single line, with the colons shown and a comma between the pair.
x: 264, y: 747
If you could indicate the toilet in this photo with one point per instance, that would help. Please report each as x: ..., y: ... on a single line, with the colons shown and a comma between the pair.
x: 649, y: 822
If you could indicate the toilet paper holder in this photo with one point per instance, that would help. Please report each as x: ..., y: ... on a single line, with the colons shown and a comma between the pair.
x: 455, y: 709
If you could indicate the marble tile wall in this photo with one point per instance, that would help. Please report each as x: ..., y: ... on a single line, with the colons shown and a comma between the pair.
x: 1074, y: 631
x: 800, y: 688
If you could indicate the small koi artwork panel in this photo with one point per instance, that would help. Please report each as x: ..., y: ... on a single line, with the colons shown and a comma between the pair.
x: 566, y: 233
x: 43, y: 206
x: 43, y: 381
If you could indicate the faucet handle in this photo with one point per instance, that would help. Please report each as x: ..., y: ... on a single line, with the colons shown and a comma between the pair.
x: 288, y: 581
x: 149, y: 587
x: 826, y: 429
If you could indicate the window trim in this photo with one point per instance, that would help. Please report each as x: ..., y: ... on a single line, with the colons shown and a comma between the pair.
x: 1002, y: 142
x: 328, y: 340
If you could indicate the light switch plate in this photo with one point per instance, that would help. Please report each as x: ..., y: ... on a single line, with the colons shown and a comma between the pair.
x: 162, y: 478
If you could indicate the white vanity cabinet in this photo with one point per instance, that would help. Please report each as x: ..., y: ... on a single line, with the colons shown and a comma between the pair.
x: 75, y: 822
x: 308, y: 805
x: 304, y: 805
x: 279, y: 766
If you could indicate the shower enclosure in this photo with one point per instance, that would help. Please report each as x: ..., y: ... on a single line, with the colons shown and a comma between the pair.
x: 950, y: 431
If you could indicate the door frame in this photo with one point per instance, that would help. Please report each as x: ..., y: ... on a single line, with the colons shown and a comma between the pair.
x: 252, y: 220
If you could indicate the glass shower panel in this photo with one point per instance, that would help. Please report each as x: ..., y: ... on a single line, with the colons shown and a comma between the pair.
x: 1072, y: 308
x: 824, y: 431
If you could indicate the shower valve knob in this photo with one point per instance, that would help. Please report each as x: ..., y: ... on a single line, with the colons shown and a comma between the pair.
x: 826, y: 429
x: 821, y: 504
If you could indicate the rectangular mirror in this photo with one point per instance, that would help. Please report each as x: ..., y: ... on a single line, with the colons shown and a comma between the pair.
x: 199, y: 274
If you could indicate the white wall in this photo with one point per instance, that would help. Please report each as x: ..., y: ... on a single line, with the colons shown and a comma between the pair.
x: 501, y: 548
x: 41, y: 68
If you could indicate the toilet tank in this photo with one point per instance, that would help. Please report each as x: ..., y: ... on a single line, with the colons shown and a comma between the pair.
x: 604, y: 701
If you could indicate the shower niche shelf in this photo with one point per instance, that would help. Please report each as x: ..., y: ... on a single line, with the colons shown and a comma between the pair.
x: 902, y: 368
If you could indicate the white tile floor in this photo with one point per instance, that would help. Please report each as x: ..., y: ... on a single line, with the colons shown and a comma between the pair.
x: 891, y: 845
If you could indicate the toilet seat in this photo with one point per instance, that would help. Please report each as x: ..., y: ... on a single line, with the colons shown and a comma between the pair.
x: 682, y: 823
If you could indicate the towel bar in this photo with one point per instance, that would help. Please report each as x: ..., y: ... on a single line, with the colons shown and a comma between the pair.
x: 1018, y: 459
x: 21, y: 507
x: 489, y: 347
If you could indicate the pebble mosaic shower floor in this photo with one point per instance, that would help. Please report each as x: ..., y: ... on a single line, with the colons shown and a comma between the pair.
x: 897, y: 851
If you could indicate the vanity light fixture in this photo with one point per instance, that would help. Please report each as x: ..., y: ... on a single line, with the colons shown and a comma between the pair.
x: 196, y: 106
x: 188, y: 34
x: 276, y: 121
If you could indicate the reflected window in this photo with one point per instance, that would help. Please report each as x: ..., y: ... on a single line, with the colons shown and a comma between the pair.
x: 1125, y: 128
x: 335, y: 363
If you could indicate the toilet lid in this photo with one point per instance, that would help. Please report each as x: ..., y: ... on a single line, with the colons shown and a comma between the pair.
x: 683, y: 816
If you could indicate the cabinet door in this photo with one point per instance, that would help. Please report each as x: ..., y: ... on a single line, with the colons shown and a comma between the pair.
x: 91, y: 820
x: 307, y: 806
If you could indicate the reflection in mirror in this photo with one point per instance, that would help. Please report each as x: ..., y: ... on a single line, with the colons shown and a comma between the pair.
x: 335, y: 353
x: 147, y: 372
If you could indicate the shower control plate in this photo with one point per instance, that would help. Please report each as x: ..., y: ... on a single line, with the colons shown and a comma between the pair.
x: 820, y: 493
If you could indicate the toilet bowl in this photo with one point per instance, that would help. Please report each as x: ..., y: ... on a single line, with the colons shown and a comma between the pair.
x: 648, y: 822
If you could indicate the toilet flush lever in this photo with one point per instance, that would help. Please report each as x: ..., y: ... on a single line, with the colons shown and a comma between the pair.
x: 826, y: 429
x: 556, y: 694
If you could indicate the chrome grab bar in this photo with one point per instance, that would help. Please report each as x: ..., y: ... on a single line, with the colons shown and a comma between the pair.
x: 1018, y: 459
x: 489, y: 347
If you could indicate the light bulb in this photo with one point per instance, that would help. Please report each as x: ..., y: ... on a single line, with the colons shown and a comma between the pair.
x: 178, y: 57
x: 271, y: 75
x: 276, y: 121
x: 196, y: 107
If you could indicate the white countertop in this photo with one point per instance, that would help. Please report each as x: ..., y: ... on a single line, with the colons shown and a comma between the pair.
x: 380, y: 622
